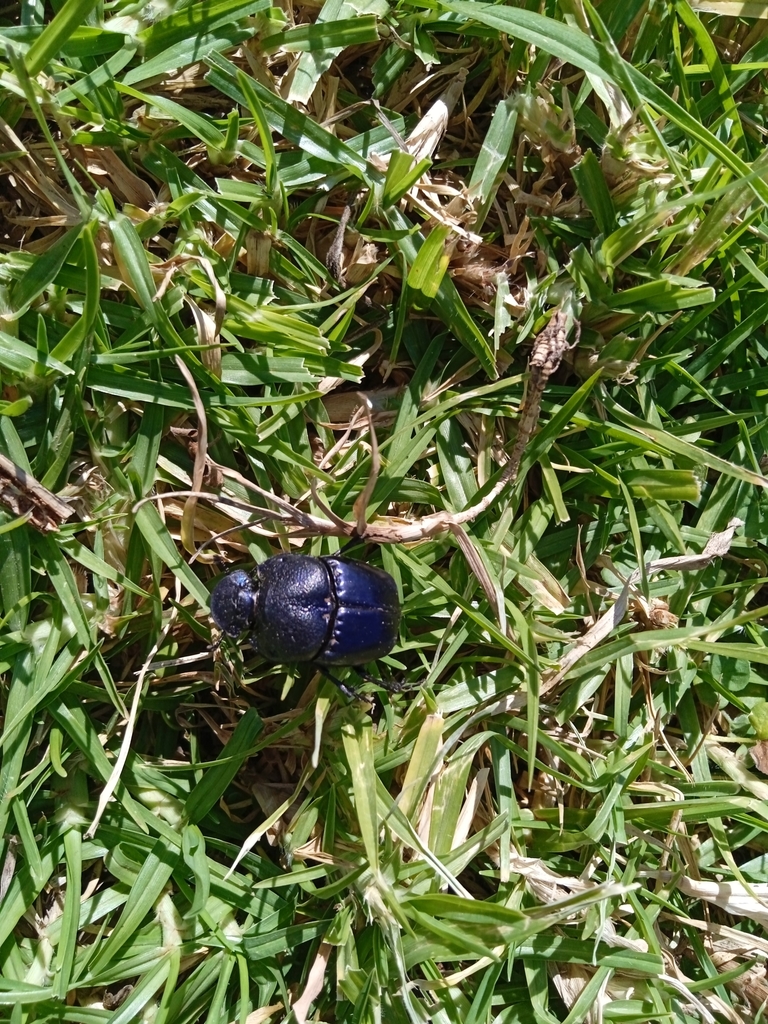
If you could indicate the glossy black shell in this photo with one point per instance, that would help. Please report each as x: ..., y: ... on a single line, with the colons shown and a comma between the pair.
x: 330, y: 610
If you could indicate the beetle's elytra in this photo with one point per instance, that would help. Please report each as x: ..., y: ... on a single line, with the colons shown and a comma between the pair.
x: 330, y: 610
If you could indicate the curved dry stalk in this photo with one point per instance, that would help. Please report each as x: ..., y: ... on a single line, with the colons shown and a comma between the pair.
x: 237, y: 528
x: 546, y: 354
x: 340, y: 523
x: 201, y: 453
x: 25, y: 496
x: 215, y: 499
x: 291, y: 514
x: 360, y: 506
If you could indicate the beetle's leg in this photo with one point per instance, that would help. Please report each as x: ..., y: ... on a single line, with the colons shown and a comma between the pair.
x: 390, y: 685
x: 348, y: 691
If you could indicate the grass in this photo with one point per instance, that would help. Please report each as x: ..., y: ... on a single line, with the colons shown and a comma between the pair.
x: 564, y: 817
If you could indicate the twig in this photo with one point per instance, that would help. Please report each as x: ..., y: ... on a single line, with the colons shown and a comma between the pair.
x: 333, y: 258
x: 23, y: 495
x: 546, y: 355
x: 547, y: 352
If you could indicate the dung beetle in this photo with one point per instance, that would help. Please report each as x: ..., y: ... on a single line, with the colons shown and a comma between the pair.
x: 327, y: 610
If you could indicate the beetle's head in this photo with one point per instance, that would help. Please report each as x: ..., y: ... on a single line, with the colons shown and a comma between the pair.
x: 233, y: 603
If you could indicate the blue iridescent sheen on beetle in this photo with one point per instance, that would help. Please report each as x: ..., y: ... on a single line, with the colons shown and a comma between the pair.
x: 327, y: 610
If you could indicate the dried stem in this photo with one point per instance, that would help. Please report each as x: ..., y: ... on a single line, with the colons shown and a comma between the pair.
x: 23, y: 495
